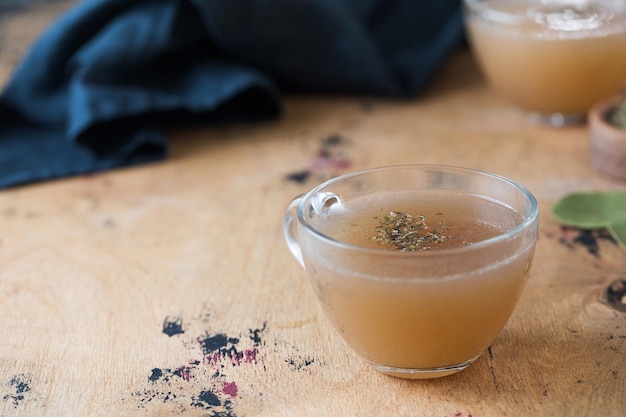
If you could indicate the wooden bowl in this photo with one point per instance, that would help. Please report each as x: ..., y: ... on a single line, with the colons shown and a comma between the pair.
x: 607, y: 143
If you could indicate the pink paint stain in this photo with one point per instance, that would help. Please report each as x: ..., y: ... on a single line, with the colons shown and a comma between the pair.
x: 250, y: 355
x: 235, y: 358
x: 324, y: 160
x: 184, y: 372
x: 230, y: 388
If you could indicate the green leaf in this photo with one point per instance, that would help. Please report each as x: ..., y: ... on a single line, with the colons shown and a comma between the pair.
x: 618, y: 231
x: 593, y: 210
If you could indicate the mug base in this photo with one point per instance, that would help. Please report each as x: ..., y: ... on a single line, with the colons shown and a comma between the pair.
x: 422, y: 373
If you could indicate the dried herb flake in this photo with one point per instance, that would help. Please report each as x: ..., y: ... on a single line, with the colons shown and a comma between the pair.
x: 408, y: 233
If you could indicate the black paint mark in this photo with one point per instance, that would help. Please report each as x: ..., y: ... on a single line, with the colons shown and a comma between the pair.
x: 615, y: 295
x: 156, y: 375
x: 589, y: 239
x: 299, y: 177
x: 20, y: 386
x: 300, y: 363
x: 255, y: 334
x: 173, y: 326
x: 214, y: 343
x: 149, y: 395
x: 332, y: 140
x: 184, y: 372
x: 206, y: 399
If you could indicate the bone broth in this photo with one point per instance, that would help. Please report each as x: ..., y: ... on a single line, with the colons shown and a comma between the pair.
x: 412, y: 310
x: 551, y: 56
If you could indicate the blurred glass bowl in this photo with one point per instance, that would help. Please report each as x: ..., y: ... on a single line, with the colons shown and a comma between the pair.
x: 553, y: 58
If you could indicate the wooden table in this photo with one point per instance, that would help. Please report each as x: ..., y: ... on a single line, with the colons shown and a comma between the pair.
x: 167, y: 289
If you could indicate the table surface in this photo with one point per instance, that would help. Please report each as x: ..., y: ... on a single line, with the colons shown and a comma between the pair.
x: 167, y: 289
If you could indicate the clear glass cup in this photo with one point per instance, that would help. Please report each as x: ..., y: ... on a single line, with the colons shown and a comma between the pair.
x: 553, y: 58
x: 424, y: 313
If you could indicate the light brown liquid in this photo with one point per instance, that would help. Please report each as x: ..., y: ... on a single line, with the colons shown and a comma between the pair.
x: 420, y: 310
x: 552, y: 62
x: 465, y: 220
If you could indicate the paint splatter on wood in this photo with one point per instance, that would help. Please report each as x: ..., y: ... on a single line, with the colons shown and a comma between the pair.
x: 203, y: 382
x: 19, y: 390
x: 329, y: 160
x: 173, y: 325
x: 220, y: 349
x: 189, y: 386
x: 207, y: 383
x: 589, y: 239
x: 299, y: 364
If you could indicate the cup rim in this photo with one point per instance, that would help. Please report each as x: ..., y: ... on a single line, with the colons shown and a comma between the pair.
x: 498, y: 16
x: 482, y: 8
x: 527, y: 221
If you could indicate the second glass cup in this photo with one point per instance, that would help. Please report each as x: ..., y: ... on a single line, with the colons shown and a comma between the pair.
x: 553, y: 58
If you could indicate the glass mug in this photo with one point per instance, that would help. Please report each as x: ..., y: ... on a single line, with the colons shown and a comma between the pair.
x: 553, y: 58
x: 425, y: 312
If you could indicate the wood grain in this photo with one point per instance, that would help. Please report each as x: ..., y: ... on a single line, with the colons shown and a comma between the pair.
x: 167, y: 289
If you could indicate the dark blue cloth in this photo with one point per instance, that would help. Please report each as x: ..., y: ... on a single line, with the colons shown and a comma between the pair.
x: 101, y: 85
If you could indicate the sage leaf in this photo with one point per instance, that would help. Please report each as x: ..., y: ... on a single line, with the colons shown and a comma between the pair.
x: 593, y: 210
x: 617, y: 229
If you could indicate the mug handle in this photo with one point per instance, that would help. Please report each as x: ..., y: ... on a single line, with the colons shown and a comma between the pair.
x: 289, y: 229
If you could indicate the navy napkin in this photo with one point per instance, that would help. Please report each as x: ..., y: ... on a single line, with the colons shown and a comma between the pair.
x: 101, y: 86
